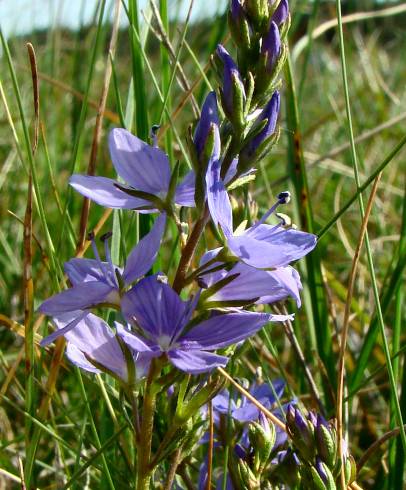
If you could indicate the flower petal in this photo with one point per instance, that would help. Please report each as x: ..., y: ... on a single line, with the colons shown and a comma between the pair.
x: 83, y: 270
x: 224, y: 330
x: 103, y: 191
x: 144, y: 167
x: 185, y: 191
x: 93, y: 337
x: 75, y: 318
x: 77, y: 358
x: 144, y: 254
x: 156, y: 307
x: 81, y: 296
x: 217, y: 199
x: 274, y: 248
x: 133, y: 340
x: 196, y: 362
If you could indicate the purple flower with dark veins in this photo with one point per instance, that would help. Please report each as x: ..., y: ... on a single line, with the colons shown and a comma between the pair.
x: 93, y: 347
x: 261, y: 246
x: 160, y: 321
x: 146, y: 171
x: 95, y: 282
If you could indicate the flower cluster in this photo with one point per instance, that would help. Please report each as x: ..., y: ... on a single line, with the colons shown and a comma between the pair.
x: 186, y: 319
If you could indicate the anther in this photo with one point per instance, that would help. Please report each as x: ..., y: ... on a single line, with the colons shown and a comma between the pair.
x: 90, y: 236
x: 154, y: 134
x: 284, y: 197
x: 106, y: 236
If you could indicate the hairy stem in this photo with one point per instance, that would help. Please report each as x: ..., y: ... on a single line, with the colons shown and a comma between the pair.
x: 188, y: 252
x: 144, y: 471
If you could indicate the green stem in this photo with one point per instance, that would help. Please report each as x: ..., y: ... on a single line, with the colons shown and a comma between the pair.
x: 144, y: 471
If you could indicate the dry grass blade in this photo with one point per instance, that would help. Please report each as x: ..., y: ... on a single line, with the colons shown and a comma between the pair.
x: 211, y: 447
x: 346, y: 322
x: 35, y: 88
x: 252, y: 399
x: 161, y: 34
x: 376, y: 445
x: 98, y: 126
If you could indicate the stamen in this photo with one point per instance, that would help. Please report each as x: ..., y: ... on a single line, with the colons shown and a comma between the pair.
x: 154, y: 135
x: 97, y: 257
x: 105, y: 240
x: 283, y: 198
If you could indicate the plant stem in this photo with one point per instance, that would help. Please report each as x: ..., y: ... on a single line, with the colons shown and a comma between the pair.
x: 144, y: 471
x: 188, y: 251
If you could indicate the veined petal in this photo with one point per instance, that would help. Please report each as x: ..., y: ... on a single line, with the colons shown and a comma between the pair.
x: 196, y: 362
x: 185, y: 191
x: 224, y: 330
x: 144, y: 254
x: 79, y: 297
x: 77, y: 358
x: 277, y: 249
x: 289, y: 285
x: 294, y: 244
x: 73, y: 319
x: 156, y: 307
x: 93, y: 337
x: 103, y: 191
x: 83, y: 270
x: 133, y: 340
x: 218, y: 200
x: 144, y: 167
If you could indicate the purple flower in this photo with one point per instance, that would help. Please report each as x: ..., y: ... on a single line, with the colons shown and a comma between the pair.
x: 271, y: 46
x: 160, y: 319
x: 270, y: 113
x: 93, y: 340
x: 145, y: 168
x: 261, y: 246
x: 254, y: 285
x: 95, y: 282
x: 281, y: 13
x: 233, y: 91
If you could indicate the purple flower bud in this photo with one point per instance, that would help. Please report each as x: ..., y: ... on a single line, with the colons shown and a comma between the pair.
x: 320, y: 467
x: 270, y: 113
x: 281, y: 13
x: 232, y: 81
x: 237, y: 12
x: 271, y: 46
x: 312, y: 417
x: 209, y: 122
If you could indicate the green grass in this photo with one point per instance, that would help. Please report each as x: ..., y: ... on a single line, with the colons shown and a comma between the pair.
x: 62, y: 424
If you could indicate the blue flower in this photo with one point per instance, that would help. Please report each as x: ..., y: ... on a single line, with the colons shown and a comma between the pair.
x: 95, y: 282
x: 261, y: 246
x: 161, y: 325
x: 144, y: 168
x: 93, y: 346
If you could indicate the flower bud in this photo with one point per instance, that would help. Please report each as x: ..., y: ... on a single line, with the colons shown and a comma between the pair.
x: 281, y: 13
x: 322, y: 476
x: 207, y: 136
x: 271, y: 47
x: 350, y: 468
x: 262, y: 436
x: 233, y: 91
x: 326, y: 441
x: 239, y: 26
x: 302, y: 433
x: 249, y: 479
x: 260, y: 143
x: 258, y: 10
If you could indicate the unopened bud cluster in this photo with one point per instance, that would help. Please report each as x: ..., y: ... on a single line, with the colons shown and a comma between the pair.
x: 316, y: 446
